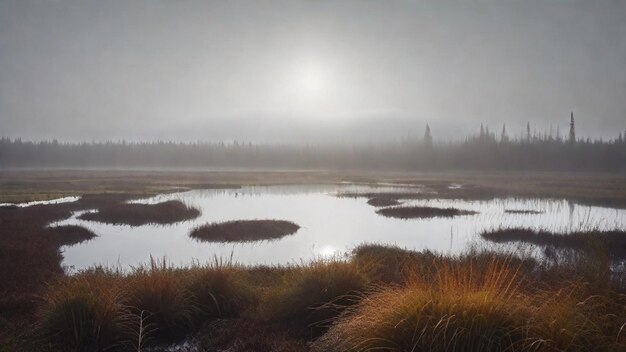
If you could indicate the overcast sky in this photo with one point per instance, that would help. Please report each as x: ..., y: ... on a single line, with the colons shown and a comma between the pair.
x: 288, y: 71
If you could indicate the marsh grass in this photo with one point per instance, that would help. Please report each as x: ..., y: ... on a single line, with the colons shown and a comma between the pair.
x: 311, y: 294
x: 382, y: 298
x: 389, y: 264
x: 84, y: 312
x: 520, y: 211
x: 246, y: 335
x: 469, y: 307
x: 159, y: 290
x: 244, y: 230
x: 140, y: 214
x: 70, y: 234
x: 219, y: 290
x: 416, y: 212
x: 612, y: 243
x: 155, y: 303
x: 383, y: 201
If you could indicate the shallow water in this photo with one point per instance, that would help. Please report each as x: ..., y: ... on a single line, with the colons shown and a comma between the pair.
x: 41, y: 202
x: 330, y: 226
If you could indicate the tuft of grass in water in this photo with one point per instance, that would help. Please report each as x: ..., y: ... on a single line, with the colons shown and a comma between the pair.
x: 244, y: 230
x: 312, y: 294
x: 140, y: 214
x: 422, y: 212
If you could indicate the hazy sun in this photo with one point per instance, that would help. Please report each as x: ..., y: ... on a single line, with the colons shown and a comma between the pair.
x: 312, y: 80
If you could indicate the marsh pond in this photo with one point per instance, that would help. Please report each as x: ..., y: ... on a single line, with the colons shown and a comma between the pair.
x: 331, y: 220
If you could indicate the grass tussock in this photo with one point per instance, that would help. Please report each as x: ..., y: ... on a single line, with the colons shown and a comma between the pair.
x: 155, y: 303
x: 422, y: 212
x: 383, y: 201
x: 464, y: 309
x: 84, y: 312
x: 388, y: 264
x: 312, y: 294
x: 140, y: 214
x: 160, y: 292
x: 382, y: 298
x: 244, y: 230
x: 219, y: 291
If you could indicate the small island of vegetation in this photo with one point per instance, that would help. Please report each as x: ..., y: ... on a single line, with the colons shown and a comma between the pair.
x: 422, y: 212
x: 141, y: 214
x: 244, y: 230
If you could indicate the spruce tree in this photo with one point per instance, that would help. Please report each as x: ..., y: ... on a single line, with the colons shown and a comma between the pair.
x: 428, y: 138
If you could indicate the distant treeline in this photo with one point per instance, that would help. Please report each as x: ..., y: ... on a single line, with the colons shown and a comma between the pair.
x: 481, y: 152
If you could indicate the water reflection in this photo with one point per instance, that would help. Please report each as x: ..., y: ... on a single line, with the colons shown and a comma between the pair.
x: 330, y: 225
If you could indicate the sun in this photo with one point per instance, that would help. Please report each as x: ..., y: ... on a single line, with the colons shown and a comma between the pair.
x: 312, y: 81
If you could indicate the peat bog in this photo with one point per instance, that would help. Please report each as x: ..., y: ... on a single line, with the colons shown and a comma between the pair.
x: 244, y: 230
x: 575, y: 304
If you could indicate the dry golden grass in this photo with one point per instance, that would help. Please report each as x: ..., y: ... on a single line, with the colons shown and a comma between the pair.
x: 466, y: 310
x: 383, y: 298
x: 155, y: 303
x: 85, y: 311
x: 311, y: 294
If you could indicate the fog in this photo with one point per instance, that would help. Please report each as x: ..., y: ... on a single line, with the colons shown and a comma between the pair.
x: 308, y: 71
